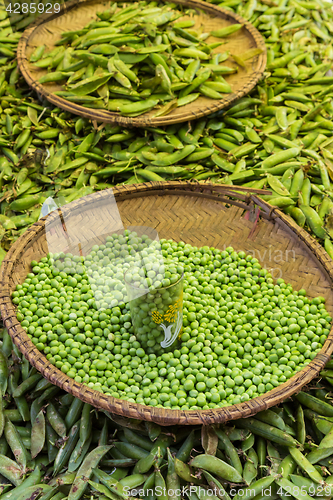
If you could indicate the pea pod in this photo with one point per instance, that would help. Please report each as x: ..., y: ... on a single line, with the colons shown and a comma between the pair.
x: 186, y: 136
x: 216, y: 466
x: 287, y: 466
x: 73, y: 412
x: 216, y: 486
x: 10, y: 470
x: 297, y: 182
x: 280, y: 201
x: 51, y: 133
x: 138, y: 107
x: 15, y: 443
x: 66, y: 449
x: 150, y: 481
x: 131, y: 451
x: 13, y: 415
x: 39, y: 489
x: 322, y: 424
x: 295, y: 492
x: 55, y: 420
x: 280, y: 157
x: 302, y: 462
x: 175, y: 157
x: 315, y: 404
x: 266, y: 431
x: 314, y: 221
x: 136, y: 439
x: 324, y: 176
x: 38, y: 434
x: 47, y: 394
x: 28, y: 384
x: 89, y: 85
x: 281, y: 62
x: 100, y: 488
x: 172, y: 479
x: 273, y: 457
x: 90, y: 462
x: 256, y: 488
x: 226, y: 445
x: 243, y: 150
x: 222, y: 163
x: 78, y: 454
x: 271, y: 418
x: 37, y: 53
x: 297, y: 214
x: 325, y: 207
x: 191, y: 70
x: 2, y: 416
x: 250, y: 467
x: 3, y: 372
x: 186, y: 448
x: 203, y: 494
x: 196, y: 82
x: 227, y: 31
x: 306, y: 484
x: 327, y: 440
x: 277, y: 185
x: 300, y: 425
x: 247, y: 443
x: 21, y: 205
x: 160, y: 484
x: 15, y: 494
x: 184, y: 471
x: 85, y: 424
x: 225, y: 144
x: 62, y: 480
x: 281, y: 117
x: 111, y: 483
x: 160, y: 447
x: 328, y: 247
x: 318, y: 454
x: 125, y: 462
x: 305, y: 193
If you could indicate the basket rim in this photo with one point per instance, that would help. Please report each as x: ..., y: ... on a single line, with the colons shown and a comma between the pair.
x: 164, y: 416
x: 101, y: 115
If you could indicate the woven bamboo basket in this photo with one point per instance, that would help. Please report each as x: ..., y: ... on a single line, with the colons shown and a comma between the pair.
x: 199, y: 214
x: 75, y: 14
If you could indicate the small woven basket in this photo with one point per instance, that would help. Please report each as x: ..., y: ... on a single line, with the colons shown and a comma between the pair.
x: 200, y: 214
x: 75, y: 14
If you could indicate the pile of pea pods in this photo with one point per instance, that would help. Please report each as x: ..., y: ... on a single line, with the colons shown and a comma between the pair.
x: 121, y: 56
x: 54, y: 446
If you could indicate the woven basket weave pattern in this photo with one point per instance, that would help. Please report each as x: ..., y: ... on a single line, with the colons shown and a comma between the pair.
x: 196, y: 214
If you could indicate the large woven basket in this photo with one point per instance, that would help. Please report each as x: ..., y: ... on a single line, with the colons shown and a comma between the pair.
x: 199, y: 214
x: 75, y: 14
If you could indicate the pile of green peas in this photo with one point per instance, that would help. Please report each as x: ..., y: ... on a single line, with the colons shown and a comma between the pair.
x: 243, y: 334
x: 153, y: 276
